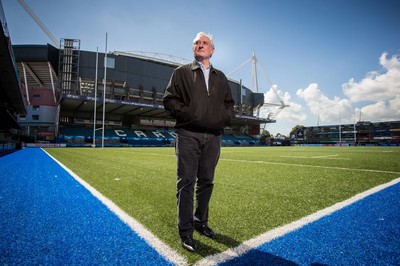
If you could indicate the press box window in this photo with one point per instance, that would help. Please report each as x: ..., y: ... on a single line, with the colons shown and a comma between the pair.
x: 110, y: 62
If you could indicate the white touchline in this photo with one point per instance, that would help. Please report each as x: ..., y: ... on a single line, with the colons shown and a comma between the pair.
x: 315, y: 166
x: 329, y: 157
x: 280, y: 231
x: 291, y: 164
x: 162, y: 248
x: 325, y: 156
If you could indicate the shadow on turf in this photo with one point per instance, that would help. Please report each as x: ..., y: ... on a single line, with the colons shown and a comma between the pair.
x: 259, y: 258
x: 254, y: 257
x: 205, y: 250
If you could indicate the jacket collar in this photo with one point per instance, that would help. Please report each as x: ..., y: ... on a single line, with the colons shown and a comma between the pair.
x: 195, y: 66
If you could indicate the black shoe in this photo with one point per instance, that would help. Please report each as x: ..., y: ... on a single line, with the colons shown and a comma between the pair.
x: 205, y: 230
x: 188, y: 243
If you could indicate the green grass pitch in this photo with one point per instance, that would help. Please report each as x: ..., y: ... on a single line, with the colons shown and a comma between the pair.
x: 256, y: 188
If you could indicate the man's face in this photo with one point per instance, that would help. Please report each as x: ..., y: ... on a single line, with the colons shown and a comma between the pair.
x: 202, y: 48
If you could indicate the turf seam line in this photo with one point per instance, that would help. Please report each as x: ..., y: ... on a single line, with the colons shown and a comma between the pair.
x: 285, y: 229
x: 316, y: 166
x: 166, y: 251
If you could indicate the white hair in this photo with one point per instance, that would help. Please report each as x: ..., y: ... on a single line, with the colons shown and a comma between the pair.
x: 201, y: 34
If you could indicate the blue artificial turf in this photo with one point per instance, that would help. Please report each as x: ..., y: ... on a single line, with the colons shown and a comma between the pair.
x: 47, y: 217
x: 364, y: 233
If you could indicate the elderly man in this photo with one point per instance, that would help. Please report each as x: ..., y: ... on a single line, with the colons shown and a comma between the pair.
x: 199, y: 98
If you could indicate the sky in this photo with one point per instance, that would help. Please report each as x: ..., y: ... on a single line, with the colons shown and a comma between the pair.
x: 331, y: 61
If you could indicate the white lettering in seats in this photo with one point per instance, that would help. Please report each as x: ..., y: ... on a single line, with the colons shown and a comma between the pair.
x: 173, y: 134
x: 120, y: 133
x: 158, y: 134
x: 140, y: 134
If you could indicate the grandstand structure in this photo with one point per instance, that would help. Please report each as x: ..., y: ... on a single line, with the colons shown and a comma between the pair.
x: 11, y: 101
x: 87, y: 98
x: 362, y: 133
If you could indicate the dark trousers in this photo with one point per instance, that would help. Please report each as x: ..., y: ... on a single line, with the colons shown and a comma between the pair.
x: 197, y: 157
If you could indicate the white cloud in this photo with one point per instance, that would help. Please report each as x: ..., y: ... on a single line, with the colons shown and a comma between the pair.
x: 381, y: 111
x: 378, y: 91
x: 293, y: 113
x: 380, y: 88
x: 376, y: 86
x: 329, y: 110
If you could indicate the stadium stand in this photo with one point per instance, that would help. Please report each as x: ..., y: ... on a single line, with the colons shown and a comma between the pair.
x: 64, y: 100
x: 11, y: 101
x: 362, y: 133
x: 76, y: 136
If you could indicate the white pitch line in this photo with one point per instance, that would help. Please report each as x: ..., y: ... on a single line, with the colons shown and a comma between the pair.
x: 285, y: 229
x: 293, y: 156
x: 162, y: 248
x: 325, y: 156
x: 329, y: 157
x: 312, y: 166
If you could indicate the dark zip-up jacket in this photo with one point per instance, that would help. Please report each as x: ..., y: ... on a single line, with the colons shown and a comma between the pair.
x: 187, y: 100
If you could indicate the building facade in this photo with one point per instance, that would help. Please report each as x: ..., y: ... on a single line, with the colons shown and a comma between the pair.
x: 363, y: 133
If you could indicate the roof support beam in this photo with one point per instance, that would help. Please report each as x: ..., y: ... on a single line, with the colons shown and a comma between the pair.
x: 51, y: 71
x: 33, y: 75
x: 26, y: 84
x: 39, y: 22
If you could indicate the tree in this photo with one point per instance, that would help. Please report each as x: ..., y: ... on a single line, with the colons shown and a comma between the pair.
x: 264, y: 136
x: 297, y: 133
x: 297, y: 127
